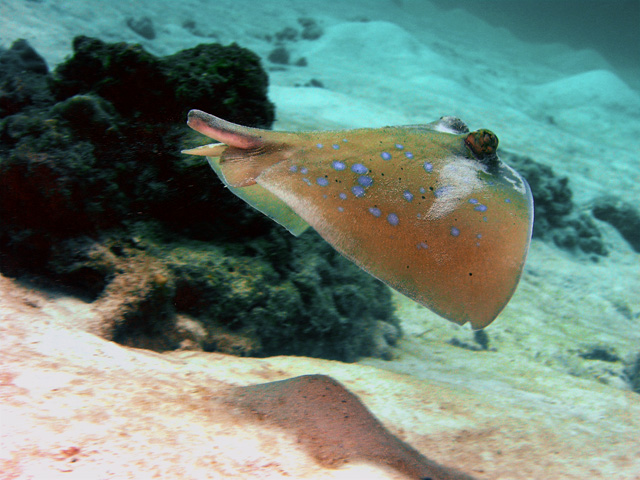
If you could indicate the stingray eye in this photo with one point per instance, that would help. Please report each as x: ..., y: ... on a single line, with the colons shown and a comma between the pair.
x: 483, y: 143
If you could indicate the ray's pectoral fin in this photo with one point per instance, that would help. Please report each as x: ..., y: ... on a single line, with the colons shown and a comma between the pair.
x: 240, y: 159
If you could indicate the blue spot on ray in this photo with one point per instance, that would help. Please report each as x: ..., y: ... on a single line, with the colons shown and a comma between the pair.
x: 408, y: 196
x: 293, y: 168
x: 375, y: 211
x: 323, y: 182
x: 455, y: 232
x: 358, y: 191
x: 409, y: 155
x: 480, y: 208
x: 337, y: 165
x: 507, y: 200
x: 428, y: 167
x: 319, y: 145
x: 359, y: 169
x: 399, y: 146
x: 341, y: 209
x: 343, y: 196
x: 335, y: 146
x: 304, y: 170
x: 365, y: 181
x: 385, y: 155
x: 473, y: 200
x: 392, y: 218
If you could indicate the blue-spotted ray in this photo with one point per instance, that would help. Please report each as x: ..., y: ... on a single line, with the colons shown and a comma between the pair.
x: 428, y: 209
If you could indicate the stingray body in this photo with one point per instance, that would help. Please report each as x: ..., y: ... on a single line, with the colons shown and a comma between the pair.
x: 428, y: 209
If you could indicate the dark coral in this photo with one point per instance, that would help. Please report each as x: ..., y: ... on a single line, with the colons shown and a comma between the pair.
x: 108, y: 151
x: 481, y: 339
x: 600, y: 352
x: 310, y: 31
x: 97, y: 198
x: 287, y: 34
x: 632, y: 373
x: 269, y: 295
x: 279, y: 55
x: 23, y: 76
x: 623, y: 216
x: 226, y: 80
x: 123, y: 74
x: 142, y: 26
x: 310, y: 28
x: 296, y: 296
x: 556, y: 216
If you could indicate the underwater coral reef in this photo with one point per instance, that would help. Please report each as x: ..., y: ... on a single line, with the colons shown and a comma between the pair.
x: 98, y: 199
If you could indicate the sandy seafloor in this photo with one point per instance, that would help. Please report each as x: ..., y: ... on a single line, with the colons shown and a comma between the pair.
x: 412, y: 63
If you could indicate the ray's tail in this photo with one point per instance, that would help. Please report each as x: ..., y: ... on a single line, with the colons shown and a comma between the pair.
x: 244, y: 152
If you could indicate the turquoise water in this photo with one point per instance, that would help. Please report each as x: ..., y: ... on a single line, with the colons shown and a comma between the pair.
x: 580, y: 24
